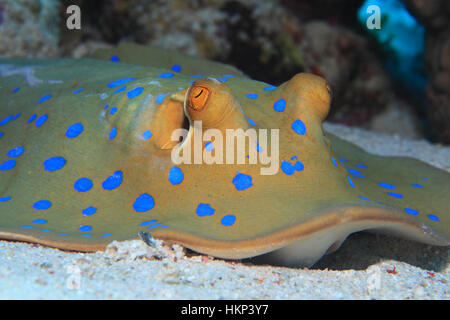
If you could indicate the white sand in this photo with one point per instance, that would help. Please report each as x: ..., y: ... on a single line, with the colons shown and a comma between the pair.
x: 363, y: 268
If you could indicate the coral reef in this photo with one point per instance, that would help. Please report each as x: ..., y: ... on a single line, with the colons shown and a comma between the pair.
x: 29, y: 28
x: 269, y: 40
x: 435, y: 15
x: 400, y: 40
x: 253, y: 35
x: 360, y: 89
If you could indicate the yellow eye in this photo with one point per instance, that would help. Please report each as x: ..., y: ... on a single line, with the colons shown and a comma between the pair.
x: 198, y: 96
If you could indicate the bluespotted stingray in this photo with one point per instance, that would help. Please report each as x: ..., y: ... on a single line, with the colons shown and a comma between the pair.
x: 86, y: 158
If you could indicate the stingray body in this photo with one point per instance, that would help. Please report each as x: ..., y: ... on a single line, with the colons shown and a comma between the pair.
x: 87, y: 158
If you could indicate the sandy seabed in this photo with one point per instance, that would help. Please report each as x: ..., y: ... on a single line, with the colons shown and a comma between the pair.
x: 367, y: 266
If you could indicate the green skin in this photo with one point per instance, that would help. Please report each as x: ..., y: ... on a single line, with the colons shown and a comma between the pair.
x: 278, y: 211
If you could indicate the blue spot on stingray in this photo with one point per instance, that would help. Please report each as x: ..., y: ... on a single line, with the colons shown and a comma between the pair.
x: 112, y: 134
x: 41, y: 120
x: 299, y: 127
x: 46, y: 230
x: 229, y: 75
x: 166, y: 75
x: 15, y: 152
x: 154, y: 226
x: 147, y: 135
x: 78, y: 91
x: 4, y: 199
x: 298, y: 166
x: 176, y: 176
x: 114, y: 58
x: 86, y: 235
x: 15, y: 90
x: 417, y: 185
x: 1, y: 134
x: 294, y: 158
x: 74, y: 130
x: 362, y: 166
x: 85, y: 228
x: 160, y: 98
x: 26, y: 227
x: 119, y: 89
x: 355, y: 173
x: 61, y: 233
x: 350, y: 181
x: 83, y: 185
x: 113, y: 110
x: 334, y: 162
x: 204, y: 209
x: 15, y: 116
x: 258, y: 148
x: 42, y: 205
x: 31, y: 119
x: 143, y: 203
x: 270, y: 88
x: 386, y: 185
x: 343, y: 160
x: 54, y: 163
x: 89, y: 211
x: 135, y: 92
x: 39, y: 221
x: 176, y: 68
x: 228, y: 220
x: 279, y: 105
x: 106, y: 235
x: 5, y: 120
x: 395, y: 195
x: 106, y: 106
x: 242, y: 181
x: 287, y: 168
x: 113, y: 181
x: 197, y: 75
x: 44, y: 98
x: 411, y: 211
x: 120, y: 82
x: 433, y: 217
x: 252, y: 95
x: 222, y: 79
x: 364, y: 198
x: 7, y: 165
x: 146, y: 223
x: 424, y: 178
x: 209, y: 146
x: 251, y: 122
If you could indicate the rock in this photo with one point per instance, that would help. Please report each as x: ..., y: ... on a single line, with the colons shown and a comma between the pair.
x: 29, y: 28
x: 435, y: 15
x: 397, y: 118
x: 253, y: 35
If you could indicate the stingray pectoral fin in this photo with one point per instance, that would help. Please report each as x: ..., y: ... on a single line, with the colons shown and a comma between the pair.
x: 71, y: 245
x: 154, y: 56
x: 305, y: 243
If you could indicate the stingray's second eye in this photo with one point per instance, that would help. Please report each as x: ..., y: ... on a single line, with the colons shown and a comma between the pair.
x: 198, y: 95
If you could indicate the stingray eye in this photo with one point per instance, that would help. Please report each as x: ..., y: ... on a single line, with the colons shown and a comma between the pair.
x: 197, y: 97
